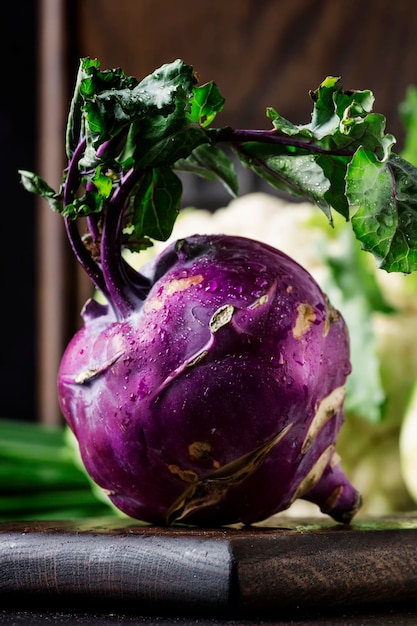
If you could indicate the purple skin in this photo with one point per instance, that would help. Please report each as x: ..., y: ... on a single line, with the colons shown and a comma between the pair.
x: 219, y: 400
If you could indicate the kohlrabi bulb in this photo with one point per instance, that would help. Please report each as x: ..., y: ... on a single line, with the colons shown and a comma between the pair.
x: 219, y: 400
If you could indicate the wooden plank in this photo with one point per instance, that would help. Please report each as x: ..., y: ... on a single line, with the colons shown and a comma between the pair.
x: 133, y: 564
x: 300, y: 565
x: 334, y: 567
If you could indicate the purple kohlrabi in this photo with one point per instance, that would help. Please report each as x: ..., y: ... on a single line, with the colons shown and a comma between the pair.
x: 220, y: 398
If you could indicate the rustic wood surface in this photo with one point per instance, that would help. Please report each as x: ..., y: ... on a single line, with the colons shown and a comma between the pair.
x: 298, y: 567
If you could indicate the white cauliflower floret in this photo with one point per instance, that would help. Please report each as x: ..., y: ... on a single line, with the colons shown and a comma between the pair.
x: 293, y: 228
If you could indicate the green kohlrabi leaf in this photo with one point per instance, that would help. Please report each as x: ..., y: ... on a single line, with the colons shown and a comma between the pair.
x: 344, y: 119
x: 156, y: 114
x: 212, y: 163
x: 341, y: 121
x: 311, y: 159
x: 35, y: 184
x: 100, y: 104
x: 334, y: 168
x: 205, y: 104
x: 112, y: 101
x: 285, y: 126
x: 103, y: 182
x: 384, y: 209
x: 160, y: 141
x: 325, y: 120
x: 155, y: 207
x: 87, y: 204
x: 299, y: 174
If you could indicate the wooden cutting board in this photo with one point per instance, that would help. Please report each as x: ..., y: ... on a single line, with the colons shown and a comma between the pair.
x: 299, y: 564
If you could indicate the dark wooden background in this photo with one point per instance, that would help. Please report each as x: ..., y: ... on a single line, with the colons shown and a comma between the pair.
x: 260, y: 53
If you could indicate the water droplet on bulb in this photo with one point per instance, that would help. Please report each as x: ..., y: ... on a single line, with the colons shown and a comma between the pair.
x: 212, y: 285
x: 277, y: 360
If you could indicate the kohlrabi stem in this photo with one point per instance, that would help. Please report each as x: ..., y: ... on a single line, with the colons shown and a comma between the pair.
x: 80, y: 251
x: 84, y: 258
x: 73, y: 176
x: 92, y: 220
x: 234, y: 137
x: 122, y: 292
x: 119, y: 283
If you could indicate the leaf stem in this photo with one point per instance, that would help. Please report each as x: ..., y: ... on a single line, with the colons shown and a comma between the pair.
x: 92, y: 220
x: 123, y: 291
x: 73, y: 176
x: 81, y: 253
x: 234, y: 136
x: 84, y: 258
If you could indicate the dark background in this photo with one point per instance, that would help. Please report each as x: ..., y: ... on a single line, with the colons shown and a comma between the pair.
x: 18, y: 218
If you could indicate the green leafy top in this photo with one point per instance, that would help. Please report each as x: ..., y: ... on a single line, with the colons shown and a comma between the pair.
x: 126, y: 140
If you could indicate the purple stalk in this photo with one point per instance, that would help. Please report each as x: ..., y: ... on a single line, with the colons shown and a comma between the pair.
x: 119, y: 285
x: 83, y: 257
x: 81, y: 253
x: 73, y: 177
x: 118, y: 282
x: 235, y: 137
